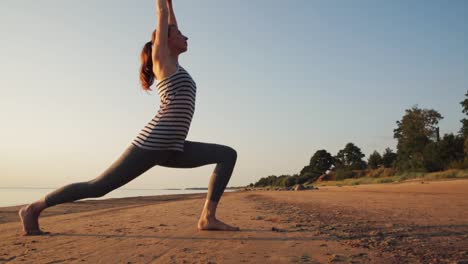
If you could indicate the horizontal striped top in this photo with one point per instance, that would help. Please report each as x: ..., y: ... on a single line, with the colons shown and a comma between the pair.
x: 169, y: 127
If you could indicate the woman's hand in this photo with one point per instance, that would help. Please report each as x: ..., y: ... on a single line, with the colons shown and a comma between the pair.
x: 172, y: 18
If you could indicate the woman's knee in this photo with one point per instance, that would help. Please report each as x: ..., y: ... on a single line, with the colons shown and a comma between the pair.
x: 96, y: 190
x: 231, y: 153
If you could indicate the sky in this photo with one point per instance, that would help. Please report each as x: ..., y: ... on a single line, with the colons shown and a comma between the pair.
x: 276, y: 80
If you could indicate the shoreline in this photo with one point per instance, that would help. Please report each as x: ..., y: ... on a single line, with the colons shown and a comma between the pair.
x: 9, y: 213
x: 10, y: 197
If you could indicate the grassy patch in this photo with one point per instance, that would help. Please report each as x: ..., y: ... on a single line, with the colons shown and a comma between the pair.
x: 440, y: 175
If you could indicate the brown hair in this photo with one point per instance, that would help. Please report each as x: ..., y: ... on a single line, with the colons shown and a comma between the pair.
x: 146, y: 68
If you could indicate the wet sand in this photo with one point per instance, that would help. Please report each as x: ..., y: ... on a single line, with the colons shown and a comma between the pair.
x: 380, y: 223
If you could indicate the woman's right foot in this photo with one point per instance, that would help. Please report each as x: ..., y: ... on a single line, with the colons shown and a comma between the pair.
x: 30, y: 221
x: 215, y: 224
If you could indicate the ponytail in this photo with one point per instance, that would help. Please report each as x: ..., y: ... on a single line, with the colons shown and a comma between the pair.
x: 146, y: 68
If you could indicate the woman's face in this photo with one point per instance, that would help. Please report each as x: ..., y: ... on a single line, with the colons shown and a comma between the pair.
x: 177, y: 41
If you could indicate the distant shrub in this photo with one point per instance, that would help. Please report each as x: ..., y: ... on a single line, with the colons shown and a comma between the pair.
x: 344, y: 174
x: 451, y: 175
x: 331, y: 176
x: 402, y: 178
x: 448, y: 174
x: 387, y: 172
x: 307, y: 177
x: 360, y: 173
x: 376, y: 173
x: 411, y: 175
x: 385, y: 180
x: 458, y: 164
x: 381, y: 172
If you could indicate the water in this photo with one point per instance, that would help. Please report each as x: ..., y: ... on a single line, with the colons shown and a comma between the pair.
x: 19, y: 196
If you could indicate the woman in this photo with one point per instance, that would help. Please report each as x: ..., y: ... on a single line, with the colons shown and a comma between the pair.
x: 162, y: 141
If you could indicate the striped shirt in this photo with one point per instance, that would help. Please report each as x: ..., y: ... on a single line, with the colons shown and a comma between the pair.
x: 169, y: 127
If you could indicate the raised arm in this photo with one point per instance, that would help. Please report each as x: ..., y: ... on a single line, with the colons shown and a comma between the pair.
x: 160, y: 48
x: 172, y: 18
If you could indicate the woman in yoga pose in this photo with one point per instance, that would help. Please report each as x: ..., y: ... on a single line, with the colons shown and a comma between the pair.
x: 162, y: 141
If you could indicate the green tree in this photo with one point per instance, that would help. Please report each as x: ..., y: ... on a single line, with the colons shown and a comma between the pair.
x: 350, y: 158
x: 290, y: 181
x: 389, y: 158
x: 319, y: 163
x: 266, y: 181
x: 464, y: 121
x: 417, y: 128
x: 433, y: 160
x: 439, y: 155
x: 375, y: 160
x: 282, y: 181
x: 452, y: 148
x: 466, y: 151
x: 301, y: 179
x: 464, y: 128
x: 342, y: 174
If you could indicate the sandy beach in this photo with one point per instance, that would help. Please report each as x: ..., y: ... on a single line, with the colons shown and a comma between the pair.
x: 384, y: 223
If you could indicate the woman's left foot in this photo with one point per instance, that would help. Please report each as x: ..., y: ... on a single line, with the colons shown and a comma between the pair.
x: 30, y: 222
x: 215, y: 224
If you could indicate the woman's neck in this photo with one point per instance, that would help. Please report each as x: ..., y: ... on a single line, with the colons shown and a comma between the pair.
x: 174, y: 58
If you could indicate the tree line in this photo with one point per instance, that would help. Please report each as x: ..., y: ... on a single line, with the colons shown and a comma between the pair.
x: 420, y: 148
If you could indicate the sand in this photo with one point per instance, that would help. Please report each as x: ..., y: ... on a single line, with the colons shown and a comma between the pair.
x: 379, y: 223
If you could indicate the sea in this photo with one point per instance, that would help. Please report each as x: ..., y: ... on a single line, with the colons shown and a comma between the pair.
x: 19, y: 196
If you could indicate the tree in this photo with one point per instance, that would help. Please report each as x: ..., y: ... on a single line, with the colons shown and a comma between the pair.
x: 389, y: 158
x: 266, y: 181
x: 439, y: 155
x: 375, y: 160
x: 464, y: 128
x: 464, y: 121
x: 282, y: 181
x: 319, y: 163
x: 417, y: 128
x: 452, y: 148
x: 466, y: 150
x: 301, y: 179
x: 433, y: 160
x: 350, y: 158
x: 290, y: 181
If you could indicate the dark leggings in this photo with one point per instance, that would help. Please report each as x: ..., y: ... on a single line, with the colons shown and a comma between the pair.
x: 135, y: 161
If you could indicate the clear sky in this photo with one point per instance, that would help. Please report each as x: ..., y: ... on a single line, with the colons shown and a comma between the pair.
x: 277, y: 81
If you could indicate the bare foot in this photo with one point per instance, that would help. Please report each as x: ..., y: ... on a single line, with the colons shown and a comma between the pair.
x: 30, y: 222
x: 215, y: 224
